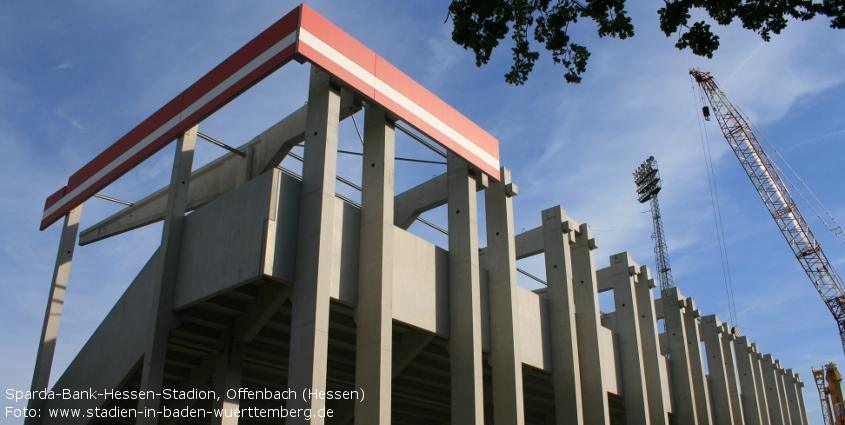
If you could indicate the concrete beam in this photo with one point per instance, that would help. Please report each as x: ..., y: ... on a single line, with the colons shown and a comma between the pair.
x: 762, y: 398
x: 228, y: 377
x: 270, y: 298
x: 219, y: 176
x: 419, y: 199
x: 773, y: 399
x: 588, y: 321
x: 314, y: 260
x: 505, y: 346
x: 162, y: 316
x: 711, y: 330
x: 696, y: 359
x: 674, y: 307
x: 800, y: 389
x: 53, y: 312
x: 652, y: 356
x: 731, y: 372
x: 374, y: 312
x: 621, y: 275
x: 784, y: 400
x: 464, y: 296
x: 566, y: 373
x: 745, y: 363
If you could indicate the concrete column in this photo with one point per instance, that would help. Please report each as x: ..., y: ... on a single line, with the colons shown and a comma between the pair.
x: 651, y: 348
x: 696, y: 359
x: 228, y: 377
x: 784, y: 401
x: 762, y: 400
x: 792, y: 397
x: 800, y: 389
x: 505, y: 347
x: 558, y: 233
x: 53, y: 312
x: 163, y: 318
x: 730, y: 371
x: 374, y: 313
x: 716, y: 364
x: 745, y: 364
x: 679, y: 360
x: 312, y: 281
x: 588, y: 323
x: 623, y: 272
x: 464, y: 296
x: 772, y: 394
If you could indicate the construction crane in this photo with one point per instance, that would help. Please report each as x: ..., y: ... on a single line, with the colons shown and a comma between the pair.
x: 773, y: 192
x: 647, y: 179
x: 830, y: 395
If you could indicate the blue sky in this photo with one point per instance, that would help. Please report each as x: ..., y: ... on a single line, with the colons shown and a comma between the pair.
x: 76, y: 76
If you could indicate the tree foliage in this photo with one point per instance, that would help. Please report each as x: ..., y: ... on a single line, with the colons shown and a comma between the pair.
x: 479, y: 25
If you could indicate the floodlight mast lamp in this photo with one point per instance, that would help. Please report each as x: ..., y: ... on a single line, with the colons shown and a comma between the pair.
x: 647, y: 179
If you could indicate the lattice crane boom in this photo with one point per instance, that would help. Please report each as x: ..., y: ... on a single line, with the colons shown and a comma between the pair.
x: 776, y: 197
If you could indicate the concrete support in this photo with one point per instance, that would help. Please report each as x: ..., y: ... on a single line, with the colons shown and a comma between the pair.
x: 674, y: 306
x: 588, y: 321
x: 800, y: 388
x: 792, y: 397
x: 770, y: 379
x: 623, y: 275
x: 505, y: 347
x: 312, y: 282
x: 651, y: 348
x: 162, y: 316
x: 784, y: 401
x: 712, y: 331
x: 696, y: 360
x: 228, y: 377
x: 464, y: 296
x: 731, y: 372
x: 374, y: 314
x: 746, y: 359
x: 762, y: 398
x: 53, y: 312
x: 558, y: 233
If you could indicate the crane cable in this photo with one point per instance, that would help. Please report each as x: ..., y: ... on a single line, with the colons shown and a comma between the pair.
x: 835, y: 230
x: 717, y: 210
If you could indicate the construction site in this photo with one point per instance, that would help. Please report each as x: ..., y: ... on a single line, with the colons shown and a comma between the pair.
x: 276, y: 297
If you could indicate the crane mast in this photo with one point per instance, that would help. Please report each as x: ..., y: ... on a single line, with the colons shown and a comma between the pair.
x: 775, y: 195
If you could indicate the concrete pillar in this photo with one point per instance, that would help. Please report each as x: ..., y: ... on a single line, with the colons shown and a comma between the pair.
x: 746, y: 360
x: 800, y: 388
x: 53, y: 312
x: 588, y: 323
x: 623, y: 275
x: 228, y: 377
x: 716, y: 364
x: 651, y: 348
x: 374, y: 313
x: 745, y: 364
x: 679, y: 360
x: 312, y: 282
x: 730, y: 371
x: 558, y: 233
x: 762, y: 400
x: 696, y: 359
x: 464, y: 296
x: 505, y: 347
x: 163, y: 318
x: 772, y: 394
x: 792, y: 397
x: 784, y: 401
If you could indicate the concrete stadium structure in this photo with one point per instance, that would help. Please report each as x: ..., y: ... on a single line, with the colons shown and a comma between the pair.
x: 274, y: 283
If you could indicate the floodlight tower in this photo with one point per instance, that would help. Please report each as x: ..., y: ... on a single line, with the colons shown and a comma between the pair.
x: 647, y: 179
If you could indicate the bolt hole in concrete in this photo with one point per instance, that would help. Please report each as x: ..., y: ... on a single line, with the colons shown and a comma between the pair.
x: 372, y: 165
x: 458, y: 212
x: 497, y: 233
x: 315, y: 133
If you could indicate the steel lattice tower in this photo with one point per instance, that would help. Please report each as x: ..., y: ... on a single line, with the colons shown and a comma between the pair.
x: 647, y: 178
